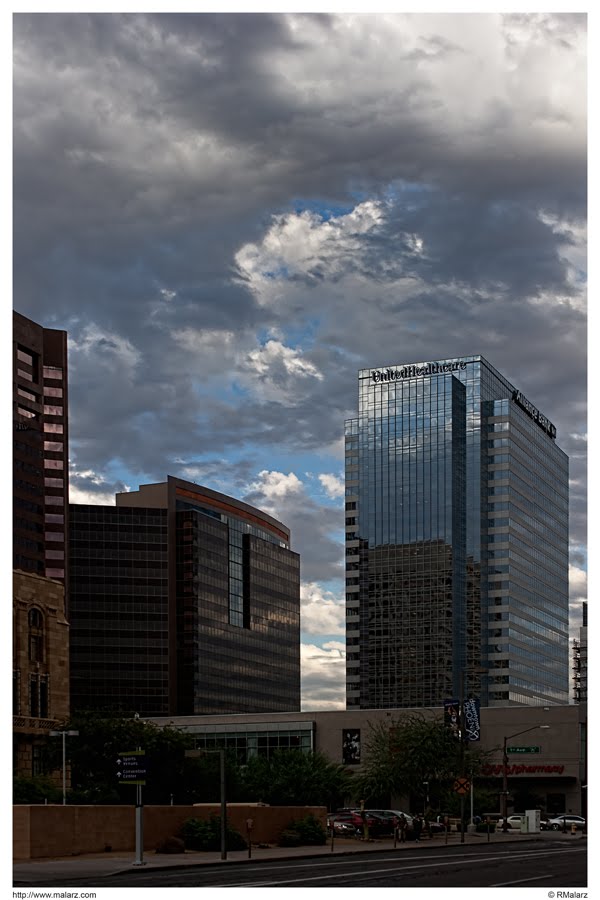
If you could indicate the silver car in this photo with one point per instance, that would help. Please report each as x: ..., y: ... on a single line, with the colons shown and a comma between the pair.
x: 558, y: 823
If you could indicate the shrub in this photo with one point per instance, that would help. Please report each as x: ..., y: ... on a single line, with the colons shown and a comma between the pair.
x: 170, y: 845
x: 308, y: 831
x: 36, y: 789
x: 289, y: 838
x: 203, y: 834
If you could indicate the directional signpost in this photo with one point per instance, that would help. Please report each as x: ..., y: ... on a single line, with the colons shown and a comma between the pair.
x: 131, y: 769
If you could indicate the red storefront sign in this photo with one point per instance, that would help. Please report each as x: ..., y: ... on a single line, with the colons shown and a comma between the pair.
x: 522, y: 770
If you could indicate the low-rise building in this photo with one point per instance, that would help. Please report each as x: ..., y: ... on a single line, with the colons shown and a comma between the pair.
x: 546, y: 765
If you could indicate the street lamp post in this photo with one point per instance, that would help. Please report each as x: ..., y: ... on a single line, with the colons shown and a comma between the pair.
x: 426, y: 786
x: 505, y: 769
x: 64, y: 757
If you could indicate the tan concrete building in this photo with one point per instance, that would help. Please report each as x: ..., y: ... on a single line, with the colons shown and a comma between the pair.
x: 40, y: 666
x: 546, y: 763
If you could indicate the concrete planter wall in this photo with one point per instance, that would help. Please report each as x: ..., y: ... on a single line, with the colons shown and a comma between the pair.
x: 55, y: 831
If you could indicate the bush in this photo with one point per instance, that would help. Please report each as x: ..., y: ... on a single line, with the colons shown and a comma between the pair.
x: 289, y: 838
x: 36, y: 790
x: 170, y: 845
x: 202, y: 834
x: 307, y: 831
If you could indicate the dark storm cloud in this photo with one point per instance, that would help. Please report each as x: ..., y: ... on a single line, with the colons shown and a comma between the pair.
x: 150, y: 149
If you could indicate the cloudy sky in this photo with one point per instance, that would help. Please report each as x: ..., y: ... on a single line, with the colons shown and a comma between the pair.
x: 231, y: 214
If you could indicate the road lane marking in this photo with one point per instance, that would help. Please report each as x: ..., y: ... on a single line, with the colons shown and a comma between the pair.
x: 519, y: 881
x: 523, y: 856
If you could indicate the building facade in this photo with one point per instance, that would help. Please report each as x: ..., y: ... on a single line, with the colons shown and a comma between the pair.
x: 40, y: 449
x: 456, y: 541
x: 184, y: 601
x: 546, y: 767
x: 40, y: 667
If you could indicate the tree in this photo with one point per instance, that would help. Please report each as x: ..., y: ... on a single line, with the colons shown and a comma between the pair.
x: 404, y: 755
x: 291, y: 777
x: 93, y: 753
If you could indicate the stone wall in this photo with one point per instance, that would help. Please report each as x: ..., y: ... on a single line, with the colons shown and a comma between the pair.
x: 59, y: 831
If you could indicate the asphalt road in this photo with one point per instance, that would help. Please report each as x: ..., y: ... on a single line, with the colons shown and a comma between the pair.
x: 550, y: 864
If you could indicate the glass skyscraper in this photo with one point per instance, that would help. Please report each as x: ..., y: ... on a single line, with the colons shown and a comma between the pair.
x: 185, y: 602
x: 456, y: 541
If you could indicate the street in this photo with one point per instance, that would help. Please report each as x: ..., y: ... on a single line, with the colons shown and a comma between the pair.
x: 550, y: 864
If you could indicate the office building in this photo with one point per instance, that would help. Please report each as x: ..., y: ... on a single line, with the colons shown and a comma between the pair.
x: 456, y: 541
x: 40, y: 449
x: 183, y: 601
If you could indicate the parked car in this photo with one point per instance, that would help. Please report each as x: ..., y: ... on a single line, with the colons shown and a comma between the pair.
x: 343, y: 826
x: 557, y: 823
x: 399, y: 812
x: 513, y: 821
x: 354, y: 816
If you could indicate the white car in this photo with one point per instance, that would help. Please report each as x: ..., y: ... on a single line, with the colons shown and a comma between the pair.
x: 557, y: 823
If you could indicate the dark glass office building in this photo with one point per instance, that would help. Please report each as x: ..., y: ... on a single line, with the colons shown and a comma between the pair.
x: 184, y: 602
x: 456, y: 541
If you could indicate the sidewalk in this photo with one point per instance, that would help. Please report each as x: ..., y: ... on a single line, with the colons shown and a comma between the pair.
x: 99, y: 865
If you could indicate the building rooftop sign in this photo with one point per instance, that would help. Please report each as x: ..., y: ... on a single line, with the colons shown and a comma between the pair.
x: 434, y: 368
x: 532, y: 411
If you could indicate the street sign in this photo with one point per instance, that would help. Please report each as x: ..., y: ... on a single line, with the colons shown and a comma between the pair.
x: 523, y: 749
x: 462, y: 785
x: 132, y: 767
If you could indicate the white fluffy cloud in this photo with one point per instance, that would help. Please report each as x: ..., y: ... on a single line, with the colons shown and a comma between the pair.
x: 333, y: 484
x: 277, y: 373
x: 323, y: 675
x: 322, y: 612
x: 276, y: 487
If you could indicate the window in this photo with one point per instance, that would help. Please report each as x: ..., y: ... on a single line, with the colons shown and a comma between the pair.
x: 52, y: 392
x: 54, y: 482
x: 44, y: 696
x: 25, y: 357
x: 26, y: 375
x: 55, y: 573
x: 53, y: 410
x: 55, y: 554
x: 54, y: 446
x: 16, y: 692
x: 54, y: 519
x: 53, y: 464
x: 54, y: 501
x: 34, y: 697
x: 26, y: 413
x: 36, y: 636
x: 51, y: 428
x: 53, y: 372
x: 27, y: 394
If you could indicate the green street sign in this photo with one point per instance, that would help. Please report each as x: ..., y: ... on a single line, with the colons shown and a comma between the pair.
x: 523, y: 749
x: 131, y: 767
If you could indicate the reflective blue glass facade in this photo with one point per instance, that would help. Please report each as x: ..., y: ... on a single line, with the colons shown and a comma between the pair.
x: 456, y: 540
